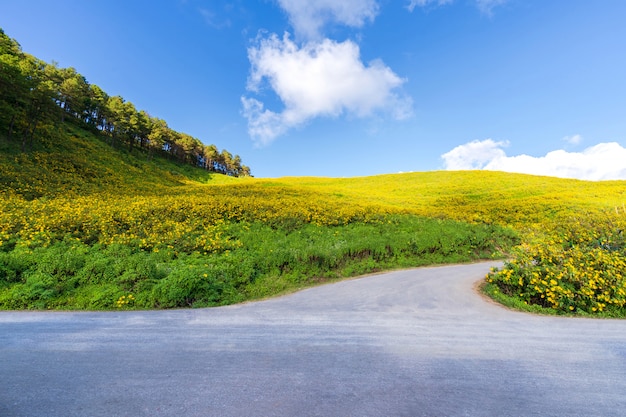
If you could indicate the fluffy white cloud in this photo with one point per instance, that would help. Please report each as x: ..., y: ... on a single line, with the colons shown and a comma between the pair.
x: 474, y: 155
x: 309, y: 17
x: 324, y: 78
x: 604, y: 161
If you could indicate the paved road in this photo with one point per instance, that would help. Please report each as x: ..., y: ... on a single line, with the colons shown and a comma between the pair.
x: 409, y: 343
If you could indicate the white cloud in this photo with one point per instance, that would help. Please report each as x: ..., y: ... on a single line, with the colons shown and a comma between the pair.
x: 485, y: 6
x: 309, y: 17
x: 263, y: 125
x: 474, y: 155
x: 573, y: 140
x: 422, y: 3
x: 605, y: 161
x: 324, y: 78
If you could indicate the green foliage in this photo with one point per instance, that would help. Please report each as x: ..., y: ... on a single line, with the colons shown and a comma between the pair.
x: 577, y: 267
x: 71, y: 274
x: 102, y: 207
x: 74, y: 162
x: 39, y: 99
x: 86, y: 226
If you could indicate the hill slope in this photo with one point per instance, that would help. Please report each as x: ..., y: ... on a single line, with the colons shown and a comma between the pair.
x: 41, y: 104
x: 478, y: 196
x: 77, y: 162
x: 95, y: 214
x: 85, y: 225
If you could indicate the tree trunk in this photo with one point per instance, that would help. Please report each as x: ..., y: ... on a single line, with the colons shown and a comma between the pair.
x: 10, y: 132
x: 32, y: 135
x: 29, y: 134
x: 24, y: 138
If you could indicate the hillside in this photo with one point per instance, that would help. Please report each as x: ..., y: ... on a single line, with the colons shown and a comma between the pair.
x: 479, y: 196
x: 105, y: 207
x: 77, y: 162
x: 89, y: 226
x: 85, y: 225
x: 46, y: 112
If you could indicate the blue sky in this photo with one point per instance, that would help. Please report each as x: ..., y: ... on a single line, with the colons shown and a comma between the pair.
x: 359, y: 87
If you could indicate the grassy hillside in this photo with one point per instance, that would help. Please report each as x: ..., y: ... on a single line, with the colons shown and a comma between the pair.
x: 478, y: 196
x: 73, y: 161
x: 85, y: 226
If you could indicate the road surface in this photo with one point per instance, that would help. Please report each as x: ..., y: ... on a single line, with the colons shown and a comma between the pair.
x: 418, y: 342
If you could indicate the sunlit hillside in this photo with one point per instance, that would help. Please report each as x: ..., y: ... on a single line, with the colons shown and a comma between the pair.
x: 104, y: 206
x: 477, y: 196
x: 82, y: 165
x: 74, y: 161
x: 85, y: 225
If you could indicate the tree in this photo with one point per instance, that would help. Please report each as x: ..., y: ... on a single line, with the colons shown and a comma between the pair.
x: 158, y: 135
x: 235, y: 168
x: 245, y: 171
x: 120, y: 113
x: 210, y: 155
x: 14, y: 86
x: 183, y: 147
x: 133, y: 125
x: 227, y: 162
x: 143, y: 128
x: 73, y: 93
x: 39, y: 100
x: 97, y: 107
x: 34, y: 94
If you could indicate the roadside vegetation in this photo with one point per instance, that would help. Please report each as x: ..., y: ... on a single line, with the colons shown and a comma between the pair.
x: 99, y: 210
x: 113, y: 231
x: 575, y: 267
x: 153, y: 236
x: 248, y: 260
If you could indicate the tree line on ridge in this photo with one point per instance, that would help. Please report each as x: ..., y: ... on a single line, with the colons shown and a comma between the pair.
x: 36, y: 96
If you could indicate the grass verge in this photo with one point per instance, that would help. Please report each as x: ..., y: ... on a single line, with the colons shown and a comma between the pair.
x: 71, y: 274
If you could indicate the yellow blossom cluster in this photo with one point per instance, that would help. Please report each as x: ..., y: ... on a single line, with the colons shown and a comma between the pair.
x: 189, y: 219
x: 125, y: 301
x: 578, y: 266
x: 568, y: 264
x: 477, y: 196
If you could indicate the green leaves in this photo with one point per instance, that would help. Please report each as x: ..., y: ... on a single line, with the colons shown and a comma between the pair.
x: 574, y: 267
x: 70, y: 274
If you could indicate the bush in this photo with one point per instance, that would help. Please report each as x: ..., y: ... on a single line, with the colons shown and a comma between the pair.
x: 268, y: 259
x: 575, y: 267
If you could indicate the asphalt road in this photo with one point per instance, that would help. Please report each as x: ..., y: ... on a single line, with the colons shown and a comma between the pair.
x: 409, y: 343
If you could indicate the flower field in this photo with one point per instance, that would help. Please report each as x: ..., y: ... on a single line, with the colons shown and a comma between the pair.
x: 575, y: 267
x: 103, y: 206
x: 573, y: 257
x: 211, y: 245
x: 86, y: 227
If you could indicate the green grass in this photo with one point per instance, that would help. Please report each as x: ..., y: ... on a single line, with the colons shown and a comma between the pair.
x: 86, y: 226
x: 73, y: 161
x: 72, y: 275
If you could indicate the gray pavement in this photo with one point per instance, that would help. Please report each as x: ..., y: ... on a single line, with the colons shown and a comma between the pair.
x: 409, y: 343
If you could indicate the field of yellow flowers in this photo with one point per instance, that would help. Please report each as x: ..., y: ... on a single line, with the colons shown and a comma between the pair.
x: 84, y: 227
x: 212, y: 244
x: 578, y: 266
x: 573, y: 256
